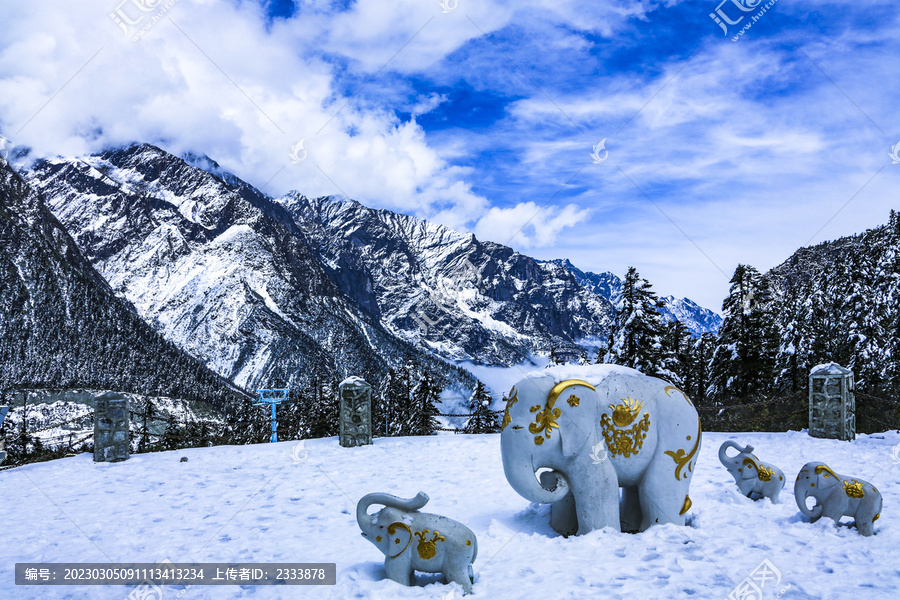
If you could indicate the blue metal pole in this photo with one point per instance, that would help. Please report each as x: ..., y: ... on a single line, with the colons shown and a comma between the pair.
x: 274, y: 424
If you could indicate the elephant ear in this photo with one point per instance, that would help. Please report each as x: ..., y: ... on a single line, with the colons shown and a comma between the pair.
x: 577, y: 402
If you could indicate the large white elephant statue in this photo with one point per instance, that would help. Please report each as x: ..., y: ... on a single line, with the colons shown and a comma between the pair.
x: 837, y: 496
x: 572, y: 436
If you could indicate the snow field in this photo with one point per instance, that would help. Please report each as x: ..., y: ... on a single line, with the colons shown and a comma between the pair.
x: 283, y: 503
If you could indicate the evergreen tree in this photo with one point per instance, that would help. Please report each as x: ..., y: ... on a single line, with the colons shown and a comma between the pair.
x: 290, y: 417
x: 483, y: 419
x: 425, y: 398
x: 701, y: 358
x: 743, y: 363
x: 635, y: 337
x: 324, y: 407
x: 584, y: 359
x: 555, y: 358
x: 394, y: 402
x: 676, y: 353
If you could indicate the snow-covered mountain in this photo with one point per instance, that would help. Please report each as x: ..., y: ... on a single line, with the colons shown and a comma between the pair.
x: 840, y: 301
x: 62, y: 326
x: 696, y: 318
x: 460, y: 297
x: 270, y: 290
x: 218, y: 268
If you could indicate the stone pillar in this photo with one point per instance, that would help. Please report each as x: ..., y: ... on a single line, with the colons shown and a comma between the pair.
x: 832, y: 405
x: 356, y: 412
x: 3, y: 410
x: 112, y: 434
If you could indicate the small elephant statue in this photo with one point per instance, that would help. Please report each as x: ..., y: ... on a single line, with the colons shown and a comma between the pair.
x: 442, y: 545
x: 750, y: 474
x: 572, y: 437
x: 837, y: 496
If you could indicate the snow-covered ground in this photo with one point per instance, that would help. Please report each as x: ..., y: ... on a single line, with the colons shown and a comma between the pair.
x: 261, y: 504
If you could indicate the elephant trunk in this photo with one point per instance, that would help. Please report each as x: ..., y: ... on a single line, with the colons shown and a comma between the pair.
x: 522, y: 476
x: 724, y: 458
x: 364, y: 519
x: 801, y: 493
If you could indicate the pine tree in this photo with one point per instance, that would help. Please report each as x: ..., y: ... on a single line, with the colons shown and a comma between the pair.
x: 555, y: 358
x: 635, y: 338
x: 584, y: 359
x: 290, y: 417
x: 394, y: 402
x: 324, y: 407
x: 425, y: 398
x: 483, y: 419
x: 743, y: 363
x: 699, y: 381
x: 677, y: 357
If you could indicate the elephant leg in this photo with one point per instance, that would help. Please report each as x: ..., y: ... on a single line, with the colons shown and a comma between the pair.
x: 398, y: 570
x: 597, y: 499
x: 460, y: 574
x: 865, y: 526
x: 833, y: 512
x: 662, y: 495
x: 865, y: 516
x: 630, y: 509
x: 563, y: 516
x: 775, y: 493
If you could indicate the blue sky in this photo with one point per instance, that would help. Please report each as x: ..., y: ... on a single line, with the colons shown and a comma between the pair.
x: 483, y: 115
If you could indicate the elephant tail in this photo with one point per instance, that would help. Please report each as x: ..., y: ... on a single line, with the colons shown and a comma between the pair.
x: 362, y: 507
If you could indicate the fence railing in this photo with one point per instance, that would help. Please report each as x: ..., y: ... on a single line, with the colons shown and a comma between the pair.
x: 778, y: 414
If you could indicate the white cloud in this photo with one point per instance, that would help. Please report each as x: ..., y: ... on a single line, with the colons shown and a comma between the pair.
x: 228, y: 87
x: 528, y: 225
x: 748, y: 147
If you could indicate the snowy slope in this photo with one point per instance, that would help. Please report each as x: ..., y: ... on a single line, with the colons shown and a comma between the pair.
x: 255, y: 503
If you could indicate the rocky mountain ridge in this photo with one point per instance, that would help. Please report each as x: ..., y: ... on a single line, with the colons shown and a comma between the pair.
x: 218, y: 268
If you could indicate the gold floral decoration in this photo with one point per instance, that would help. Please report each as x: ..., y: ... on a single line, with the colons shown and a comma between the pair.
x: 428, y: 548
x: 544, y: 421
x: 624, y: 414
x: 625, y: 441
x: 855, y: 489
x: 681, y: 459
x: 762, y: 472
x: 513, y: 398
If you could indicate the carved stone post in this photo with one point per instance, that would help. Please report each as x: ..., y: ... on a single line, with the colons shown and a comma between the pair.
x: 356, y: 412
x: 832, y: 405
x: 3, y: 410
x: 112, y: 434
